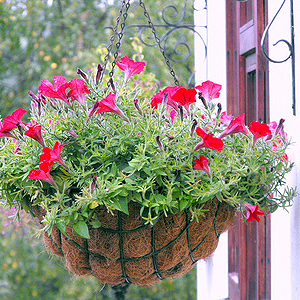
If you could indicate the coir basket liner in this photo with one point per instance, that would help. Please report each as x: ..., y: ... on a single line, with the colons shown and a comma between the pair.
x: 125, y: 250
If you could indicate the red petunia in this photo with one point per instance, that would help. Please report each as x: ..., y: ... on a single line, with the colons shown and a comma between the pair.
x: 130, y: 67
x: 259, y: 130
x: 78, y: 90
x: 43, y: 173
x: 108, y: 104
x: 5, y: 130
x: 237, y: 125
x: 14, y: 120
x: 209, y: 90
x: 57, y: 90
x: 159, y: 97
x: 185, y: 97
x: 201, y: 163
x: 252, y: 212
x: 53, y: 155
x: 208, y: 141
x: 35, y: 132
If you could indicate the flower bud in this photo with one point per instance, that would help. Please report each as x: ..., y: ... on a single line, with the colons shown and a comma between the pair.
x: 193, y: 127
x: 180, y: 112
x: 136, y: 105
x: 280, y: 126
x: 219, y: 109
x: 93, y: 109
x: 202, y: 99
x: 93, y: 184
x: 159, y: 144
x: 98, y: 75
x: 111, y: 83
x: 82, y: 74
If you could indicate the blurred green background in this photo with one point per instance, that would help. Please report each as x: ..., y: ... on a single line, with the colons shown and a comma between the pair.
x: 43, y: 38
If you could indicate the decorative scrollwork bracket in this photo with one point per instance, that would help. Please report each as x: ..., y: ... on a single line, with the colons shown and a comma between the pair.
x: 291, y: 47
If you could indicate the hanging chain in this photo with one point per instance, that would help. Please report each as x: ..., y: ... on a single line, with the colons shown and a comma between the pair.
x: 120, y: 35
x: 162, y: 50
x: 112, y: 38
x: 124, y: 13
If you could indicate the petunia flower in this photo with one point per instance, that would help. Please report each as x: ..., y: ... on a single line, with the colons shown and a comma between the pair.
x: 209, y: 90
x: 252, y: 212
x: 208, y: 141
x: 53, y: 155
x: 35, y: 132
x: 237, y: 125
x: 225, y: 119
x: 159, y: 97
x: 43, y: 173
x: 185, y: 97
x: 130, y: 67
x: 5, y: 130
x: 14, y: 120
x: 78, y: 90
x: 201, y: 163
x: 108, y: 104
x: 93, y: 109
x: 259, y: 130
x: 57, y: 90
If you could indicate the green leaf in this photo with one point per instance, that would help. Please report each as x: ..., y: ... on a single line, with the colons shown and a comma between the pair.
x: 81, y: 229
x: 183, y: 204
x: 121, y: 204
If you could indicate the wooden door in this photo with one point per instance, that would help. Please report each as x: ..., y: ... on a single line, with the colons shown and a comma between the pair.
x: 247, y: 92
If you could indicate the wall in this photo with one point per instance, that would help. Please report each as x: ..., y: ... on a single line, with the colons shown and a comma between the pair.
x: 285, y: 228
x: 212, y: 273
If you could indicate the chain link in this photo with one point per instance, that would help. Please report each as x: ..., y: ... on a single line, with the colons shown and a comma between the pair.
x: 112, y: 38
x: 120, y: 36
x: 162, y: 50
x: 124, y: 13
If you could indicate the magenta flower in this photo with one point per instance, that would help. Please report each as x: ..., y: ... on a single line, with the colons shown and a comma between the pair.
x: 93, y: 109
x: 130, y: 67
x: 108, y: 104
x: 225, y: 119
x: 185, y: 97
x: 201, y: 163
x: 57, y: 90
x: 208, y: 141
x: 209, y: 90
x: 14, y: 120
x: 5, y: 130
x: 35, y: 132
x: 43, y: 173
x: 159, y: 97
x: 53, y: 155
x: 78, y: 90
x: 259, y: 130
x: 252, y: 212
x: 237, y: 125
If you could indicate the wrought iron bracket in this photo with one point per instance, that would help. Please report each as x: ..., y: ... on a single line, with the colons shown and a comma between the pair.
x: 291, y: 47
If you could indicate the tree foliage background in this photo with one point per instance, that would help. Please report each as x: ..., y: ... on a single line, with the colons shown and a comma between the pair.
x: 43, y: 38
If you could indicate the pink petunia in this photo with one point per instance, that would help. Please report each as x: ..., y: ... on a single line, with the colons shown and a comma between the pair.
x: 108, y: 104
x: 252, y: 212
x: 35, y: 132
x: 237, y: 125
x: 130, y: 67
x: 225, y: 119
x: 201, y: 163
x: 209, y: 90
x: 78, y: 90
x: 43, y: 173
x: 208, y: 141
x: 53, y: 155
x: 57, y: 90
x: 5, y: 130
x: 14, y: 120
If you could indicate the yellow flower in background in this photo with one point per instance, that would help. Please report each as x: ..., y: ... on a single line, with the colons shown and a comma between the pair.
x: 47, y: 58
x: 41, y: 53
x: 53, y: 65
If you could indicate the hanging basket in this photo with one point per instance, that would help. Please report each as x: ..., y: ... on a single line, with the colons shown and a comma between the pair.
x: 125, y: 250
